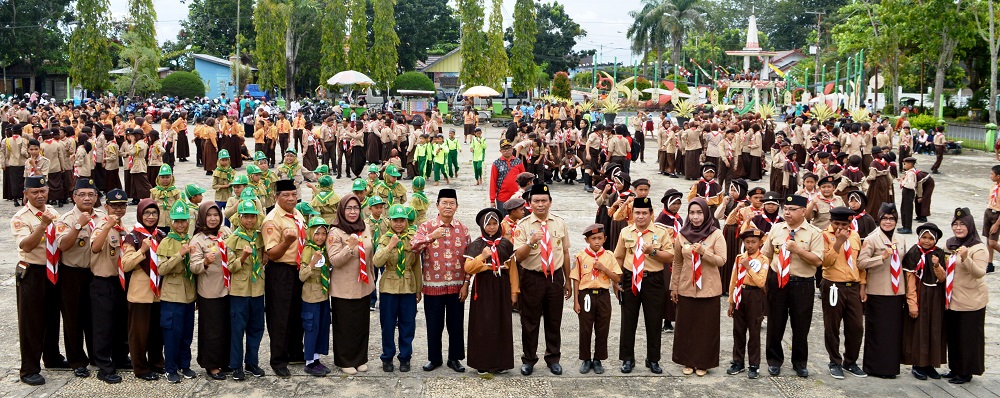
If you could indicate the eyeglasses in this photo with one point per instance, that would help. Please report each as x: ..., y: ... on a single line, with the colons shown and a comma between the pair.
x: 352, y: 208
x: 85, y: 194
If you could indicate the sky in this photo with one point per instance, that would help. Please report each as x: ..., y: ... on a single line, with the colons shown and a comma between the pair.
x: 604, y: 21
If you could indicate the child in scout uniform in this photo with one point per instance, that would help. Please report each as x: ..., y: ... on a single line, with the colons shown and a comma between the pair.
x: 290, y: 169
x: 165, y: 194
x: 112, y: 162
x: 177, y: 296
x: 36, y: 165
x: 862, y: 223
x: 453, y: 148
x: 372, y: 179
x: 222, y: 179
x: 140, y: 262
x: 746, y: 301
x: 594, y: 270
x: 991, y: 218
x: 238, y: 185
x: 421, y: 155
x: 321, y: 171
x: 315, y: 277
x: 308, y: 212
x: 269, y: 179
x: 478, y: 149
x: 439, y: 154
x: 419, y: 201
x: 378, y: 225
x: 107, y: 290
x: 399, y: 287
x: 326, y: 200
x: 195, y: 195
x: 841, y: 293
x: 155, y: 154
x: 390, y: 188
x: 246, y: 290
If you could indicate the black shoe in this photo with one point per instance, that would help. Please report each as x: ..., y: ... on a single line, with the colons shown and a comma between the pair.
x: 920, y: 219
x: 123, y: 364
x: 282, y: 373
x: 556, y: 369
x: 429, y: 366
x: 255, y: 370
x: 61, y: 364
x: 110, y: 378
x: 216, y: 376
x: 17, y: 203
x: 526, y: 369
x: 33, y: 379
x: 456, y: 366
x: 960, y: 379
x: 949, y: 375
x: 388, y: 367
x: 836, y: 371
x: 856, y: 371
x: 990, y: 268
x: 150, y: 376
x: 173, y: 378
x: 627, y: 366
x: 905, y: 231
x: 81, y: 372
x: 885, y: 377
x: 803, y: 372
x: 188, y: 373
x: 931, y: 372
x: 315, y: 370
x: 404, y: 366
x: 160, y: 371
x: 598, y: 368
x: 754, y: 372
x: 654, y: 367
x: 586, y: 366
x: 918, y: 373
x: 774, y: 370
x: 735, y: 368
x: 238, y: 375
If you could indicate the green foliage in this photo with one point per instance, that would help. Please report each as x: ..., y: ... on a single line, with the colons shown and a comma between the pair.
x: 211, y: 26
x: 357, y: 44
x: 413, y: 81
x: 640, y: 83
x: 417, y: 41
x: 245, y: 75
x: 384, y: 47
x: 541, y: 77
x: 560, y: 85
x: 583, y: 79
x: 925, y: 122
x: 962, y: 119
x: 39, y: 42
x: 474, y: 55
x: 270, y: 22
x: 136, y: 59
x: 182, y: 85
x: 334, y: 39
x: 522, y: 59
x: 556, y: 36
x: 89, y: 50
x: 496, y: 56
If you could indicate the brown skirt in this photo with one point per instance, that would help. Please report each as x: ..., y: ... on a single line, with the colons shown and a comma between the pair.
x: 924, y: 206
x: 350, y: 331
x: 696, y: 335
x: 112, y: 180
x: 491, y: 334
x: 692, y: 164
x: 924, y: 341
x: 966, y: 341
x: 878, y: 193
x: 884, y: 334
x: 140, y: 186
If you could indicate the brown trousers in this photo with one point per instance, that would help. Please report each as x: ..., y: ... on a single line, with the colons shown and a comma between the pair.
x: 661, y: 159
x: 145, y: 337
x: 74, y: 288
x: 596, y: 321
x: 651, y: 298
x: 748, y: 318
x: 847, y: 310
x: 939, y: 153
x: 541, y: 296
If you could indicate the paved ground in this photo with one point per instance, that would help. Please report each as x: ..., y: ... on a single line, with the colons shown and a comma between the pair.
x: 964, y: 182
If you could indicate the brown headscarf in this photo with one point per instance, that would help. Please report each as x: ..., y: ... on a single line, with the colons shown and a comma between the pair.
x: 201, y: 225
x: 342, y: 224
x: 972, y: 238
x: 699, y: 233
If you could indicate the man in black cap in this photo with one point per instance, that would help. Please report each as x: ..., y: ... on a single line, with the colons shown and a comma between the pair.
x: 842, y: 293
x: 541, y: 245
x: 643, y: 251
x: 284, y: 238
x: 37, y: 292
x: 795, y: 249
x: 107, y: 291
x: 503, y: 175
x: 73, y: 231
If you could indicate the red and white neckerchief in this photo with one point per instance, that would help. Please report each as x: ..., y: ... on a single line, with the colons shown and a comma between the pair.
x: 756, y: 211
x: 882, y: 162
x: 768, y: 220
x: 638, y: 263
x: 696, y: 268
x: 595, y: 255
x: 995, y: 195
x: 362, y: 260
x: 853, y: 169
x: 546, y: 251
x: 52, y: 253
x: 895, y: 266
x: 121, y: 249
x: 494, y: 254
x: 729, y: 150
x: 741, y: 273
x: 677, y: 223
x: 854, y: 220
x: 708, y: 186
x: 154, y: 260
x: 223, y: 259
x: 624, y: 194
x: 784, y: 262
x: 919, y: 269
x: 949, y: 280
x: 301, y: 239
x: 849, y: 255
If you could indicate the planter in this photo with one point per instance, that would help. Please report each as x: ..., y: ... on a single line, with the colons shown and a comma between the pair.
x: 681, y: 120
x: 609, y: 119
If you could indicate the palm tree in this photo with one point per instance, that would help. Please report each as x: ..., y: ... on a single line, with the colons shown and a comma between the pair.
x: 675, y: 18
x: 640, y: 30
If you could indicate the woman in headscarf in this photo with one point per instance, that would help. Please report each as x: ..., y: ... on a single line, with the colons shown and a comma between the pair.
x: 879, y: 182
x: 209, y: 263
x: 881, y: 255
x: 854, y: 178
x: 490, y: 261
x: 695, y: 286
x: 965, y: 316
x: 349, y: 249
x: 145, y: 336
x: 924, y: 344
x: 732, y: 203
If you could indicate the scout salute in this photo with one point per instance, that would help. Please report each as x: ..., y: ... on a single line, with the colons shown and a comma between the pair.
x: 842, y: 293
x: 746, y: 302
x: 390, y: 188
x: 315, y: 277
x: 145, y: 336
x: 881, y: 257
x: 165, y: 194
x: 399, y: 287
x: 222, y: 179
x: 210, y: 262
x: 349, y: 248
x: 177, y: 295
x: 246, y: 291
x: 107, y: 290
x: 966, y: 297
x: 284, y: 239
x: 594, y: 270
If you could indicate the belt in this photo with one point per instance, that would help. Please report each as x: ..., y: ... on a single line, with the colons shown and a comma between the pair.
x: 801, y: 279
x: 993, y: 211
x: 540, y: 272
x: 593, y: 291
x: 645, y: 273
x: 748, y: 287
x: 848, y: 284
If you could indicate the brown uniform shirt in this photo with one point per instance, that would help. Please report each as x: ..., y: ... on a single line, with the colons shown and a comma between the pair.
x: 714, y: 256
x: 753, y: 278
x: 105, y: 263
x: 807, y: 237
x: 657, y: 235
x: 79, y: 255
x: 22, y: 224
x: 210, y: 280
x: 274, y: 224
x: 878, y: 272
x: 838, y: 264
x: 583, y: 270
x: 558, y: 237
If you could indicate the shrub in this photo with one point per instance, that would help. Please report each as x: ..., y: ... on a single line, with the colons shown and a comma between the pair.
x: 962, y: 119
x: 925, y: 122
x: 412, y: 81
x: 560, y: 85
x: 681, y: 83
x: 182, y: 85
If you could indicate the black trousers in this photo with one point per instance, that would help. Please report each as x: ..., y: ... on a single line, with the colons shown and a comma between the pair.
x: 939, y: 157
x: 74, y: 287
x: 847, y: 311
x: 541, y: 296
x: 746, y: 321
x: 594, y: 321
x: 37, y: 318
x: 440, y: 311
x: 283, y: 311
x: 330, y: 156
x: 297, y: 136
x: 651, y: 298
x: 109, y: 314
x: 906, y: 207
x: 794, y: 301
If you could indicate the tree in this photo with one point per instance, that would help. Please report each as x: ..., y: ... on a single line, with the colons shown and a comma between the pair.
x: 473, y: 43
x: 211, y: 26
x: 522, y: 47
x: 412, y: 19
x: 560, y: 85
x: 305, y: 14
x: 357, y: 51
x: 384, y: 46
x: 412, y: 81
x: 676, y: 18
x: 640, y: 32
x: 135, y: 57
x: 557, y: 34
x: 334, y: 39
x: 270, y: 22
x: 496, y: 55
x: 991, y: 35
x: 39, y: 42
x: 89, y: 50
x: 951, y: 24
x: 182, y: 84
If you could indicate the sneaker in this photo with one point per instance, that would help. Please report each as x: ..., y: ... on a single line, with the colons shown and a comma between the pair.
x: 735, y: 368
x: 173, y: 377
x: 238, y: 375
x: 836, y: 371
x: 322, y: 367
x: 314, y: 370
x: 754, y: 372
x: 255, y: 370
x: 188, y: 373
x: 855, y: 370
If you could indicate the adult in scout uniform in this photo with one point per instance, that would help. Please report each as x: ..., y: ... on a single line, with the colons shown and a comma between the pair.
x: 924, y: 342
x: 284, y: 239
x: 746, y: 302
x: 14, y: 152
x: 842, y: 293
x: 222, y: 180
x: 210, y: 262
x: 177, y: 296
x: 73, y: 231
x: 593, y: 272
x: 326, y: 200
x: 542, y: 248
x: 349, y: 249
x: 642, y: 250
x: 107, y: 290
x: 246, y: 291
x: 399, y: 287
x: 966, y: 296
x: 139, y: 261
x: 882, y: 259
x: 494, y: 291
x: 315, y: 276
x: 795, y: 249
x: 37, y: 293
x: 390, y: 188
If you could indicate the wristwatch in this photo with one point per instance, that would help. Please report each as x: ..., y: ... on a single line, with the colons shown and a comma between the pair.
x: 653, y: 253
x: 78, y: 227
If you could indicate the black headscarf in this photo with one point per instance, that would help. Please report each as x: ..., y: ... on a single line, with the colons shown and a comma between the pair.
x: 201, y: 225
x: 342, y: 224
x: 699, y: 233
x: 972, y: 238
x: 505, y: 249
x: 912, y: 257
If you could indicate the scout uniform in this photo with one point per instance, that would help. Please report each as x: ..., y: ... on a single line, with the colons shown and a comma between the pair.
x: 401, y: 281
x: 270, y: 180
x: 165, y: 197
x: 908, y: 187
x: 419, y: 201
x: 886, y: 289
x: 222, y: 180
x: 820, y: 215
x: 213, y: 283
x: 177, y: 295
x: 246, y: 292
x: 190, y: 191
x: 746, y: 300
x: 284, y: 289
x: 326, y: 200
x: 377, y: 227
x: 315, y: 277
x: 593, y: 295
x: 453, y: 147
x: 107, y: 295
x: 39, y: 166
x: 145, y: 336
x: 394, y: 193
x: 841, y: 296
x: 478, y: 148
x: 51, y: 148
x: 13, y: 153
x: 112, y: 162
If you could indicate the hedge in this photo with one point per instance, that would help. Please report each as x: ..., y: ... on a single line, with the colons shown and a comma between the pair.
x: 182, y: 85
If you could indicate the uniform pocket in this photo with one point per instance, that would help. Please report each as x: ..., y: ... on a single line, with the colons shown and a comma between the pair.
x: 308, y: 321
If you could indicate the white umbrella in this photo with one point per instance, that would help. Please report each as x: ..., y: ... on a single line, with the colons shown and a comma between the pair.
x: 349, y: 77
x: 481, y: 91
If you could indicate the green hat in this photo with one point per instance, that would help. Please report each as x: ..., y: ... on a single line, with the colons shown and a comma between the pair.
x: 322, y: 169
x: 397, y: 211
x: 248, y: 194
x: 259, y: 155
x: 241, y: 179
x: 179, y: 211
x: 373, y: 168
x: 391, y: 170
x: 253, y: 169
x: 419, y: 183
x: 191, y: 190
x: 165, y: 170
x: 247, y: 207
x: 411, y: 214
x: 317, y: 222
x: 224, y: 154
x: 325, y: 182
x: 306, y: 209
x: 290, y: 150
x: 375, y: 200
x: 359, y: 185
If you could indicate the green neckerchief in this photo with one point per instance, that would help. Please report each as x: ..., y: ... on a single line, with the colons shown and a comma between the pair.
x: 289, y: 169
x: 376, y: 234
x: 389, y: 188
x: 400, y: 254
x: 324, y: 275
x: 324, y: 195
x: 421, y: 195
x: 166, y: 193
x: 255, y: 264
x: 187, y: 257
x: 228, y: 173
